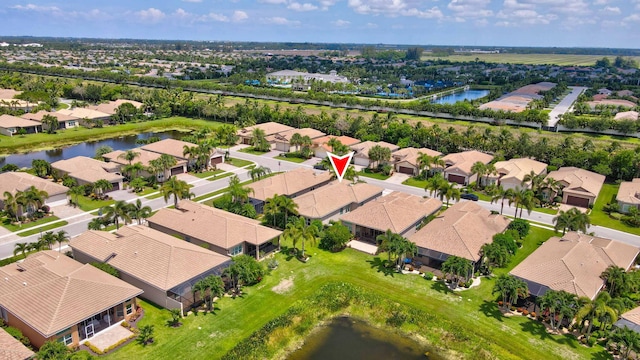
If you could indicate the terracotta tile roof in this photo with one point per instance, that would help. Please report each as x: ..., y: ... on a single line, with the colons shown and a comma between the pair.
x: 332, y: 197
x: 396, y: 211
x: 288, y: 183
x: 8, y: 93
x: 411, y: 155
x: 51, y: 292
x: 88, y: 169
x: 578, y: 181
x: 518, y: 168
x: 171, y: 147
x: 12, y: 349
x: 214, y: 226
x: 154, y: 257
x: 629, y: 192
x: 84, y: 113
x: 626, y: 115
x: 20, y: 181
x: 144, y: 158
x: 285, y: 136
x: 362, y: 149
x: 111, y: 106
x: 40, y: 114
x: 613, y: 102
x: 632, y: 316
x: 344, y: 140
x: 10, y: 121
x: 463, y: 161
x: 574, y: 263
x: 461, y: 230
x: 269, y: 128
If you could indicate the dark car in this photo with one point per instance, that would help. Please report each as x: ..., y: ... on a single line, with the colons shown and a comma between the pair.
x: 319, y: 166
x: 472, y: 197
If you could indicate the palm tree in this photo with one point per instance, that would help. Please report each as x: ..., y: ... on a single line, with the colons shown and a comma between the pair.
x: 239, y: 194
x: 457, y: 267
x: 272, y: 208
x: 479, y: 169
x: 288, y: 207
x: 306, y: 233
x: 437, y: 162
x: 179, y: 189
x: 434, y: 183
x: 216, y: 288
x: 384, y: 240
x: 562, y: 221
x: 119, y: 210
x: 132, y: 170
x: 259, y: 140
x: 296, y: 140
x: 201, y: 287
x: 510, y: 288
x: 129, y: 155
x: 95, y: 224
x: 405, y: 248
x: 626, y: 339
x: 424, y: 162
x: 259, y: 172
x: 291, y: 232
x: 500, y: 194
x: 573, y: 220
x: 527, y: 200
x: 11, y: 204
x: 76, y: 192
x: 534, y: 180
x: 61, y: 237
x: 33, y: 199
x: 22, y: 248
x: 138, y: 184
x: 47, y: 239
x: 449, y: 191
x: 100, y: 186
x: 614, y: 277
x: 598, y: 309
x: 139, y: 212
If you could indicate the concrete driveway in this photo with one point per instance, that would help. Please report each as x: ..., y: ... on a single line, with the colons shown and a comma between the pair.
x: 397, y: 178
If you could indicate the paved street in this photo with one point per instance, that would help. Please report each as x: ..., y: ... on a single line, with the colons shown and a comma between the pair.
x: 78, y: 223
x: 564, y: 105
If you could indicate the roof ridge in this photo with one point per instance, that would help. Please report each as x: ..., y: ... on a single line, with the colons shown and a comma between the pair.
x: 462, y: 240
x: 60, y: 299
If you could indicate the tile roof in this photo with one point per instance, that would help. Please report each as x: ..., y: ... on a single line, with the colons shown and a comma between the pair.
x: 9, y: 121
x: 12, y: 349
x: 578, y: 181
x: 144, y: 158
x: 411, y: 155
x: 20, y: 181
x: 396, y: 211
x: 154, y: 257
x: 332, y: 197
x: 626, y: 115
x: 269, y: 128
x: 288, y: 183
x: 171, y: 147
x: 214, y: 226
x: 111, y: 106
x: 629, y: 192
x: 574, y: 263
x: 362, y: 149
x: 463, y: 161
x: 88, y: 169
x: 40, y: 114
x: 344, y: 140
x: 614, y: 102
x: 51, y: 292
x: 285, y: 136
x: 461, y: 230
x: 518, y: 168
x: 8, y: 93
x: 632, y: 316
x: 84, y: 113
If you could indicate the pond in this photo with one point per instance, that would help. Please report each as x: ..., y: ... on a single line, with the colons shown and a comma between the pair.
x: 348, y: 338
x: 461, y: 96
x: 85, y: 149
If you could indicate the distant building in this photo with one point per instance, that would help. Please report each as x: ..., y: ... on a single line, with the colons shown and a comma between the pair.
x: 302, y: 80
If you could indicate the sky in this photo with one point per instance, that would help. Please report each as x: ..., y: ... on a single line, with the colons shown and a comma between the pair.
x: 561, y: 23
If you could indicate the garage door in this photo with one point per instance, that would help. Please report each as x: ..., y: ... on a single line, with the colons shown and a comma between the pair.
x: 116, y: 186
x: 246, y: 141
x: 216, y: 160
x: 405, y: 170
x: 577, y: 201
x: 177, y: 170
x: 456, y: 179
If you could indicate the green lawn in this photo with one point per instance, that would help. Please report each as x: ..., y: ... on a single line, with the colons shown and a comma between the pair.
x: 472, y: 314
x: 239, y: 162
x: 549, y: 211
x: 535, y: 238
x: 62, y: 106
x: 415, y: 182
x: 43, y: 228
x: 251, y: 150
x: 598, y: 217
x: 533, y: 59
x: 6, y: 223
x: 291, y: 159
x: 370, y: 174
x: 87, y: 204
x: 146, y: 191
x: 207, y: 174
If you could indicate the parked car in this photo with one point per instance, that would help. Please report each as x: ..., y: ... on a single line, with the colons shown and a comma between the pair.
x: 319, y: 166
x: 472, y: 197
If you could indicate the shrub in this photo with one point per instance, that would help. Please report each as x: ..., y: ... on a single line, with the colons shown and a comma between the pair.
x: 45, y: 208
x: 616, y: 215
x: 500, y: 303
x: 525, y: 312
x: 106, y: 268
x: 592, y: 341
x: 335, y: 237
x: 146, y: 335
x: 273, y: 263
x: 519, y: 309
x: 396, y: 319
x: 93, y: 348
x: 124, y: 324
x: 428, y: 275
x: 521, y: 226
x: 17, y: 334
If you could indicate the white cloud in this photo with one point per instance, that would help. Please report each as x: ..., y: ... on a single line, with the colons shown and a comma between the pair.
x: 214, y: 17
x: 181, y: 14
x: 326, y: 4
x: 32, y: 7
x: 186, y: 16
x: 302, y: 7
x: 524, y: 17
x: 239, y: 15
x: 610, y: 10
x: 470, y: 8
x: 600, y: 2
x: 94, y: 14
x: 631, y: 18
x: 151, y: 15
x: 481, y: 22
x: 278, y: 20
x: 341, y: 23
x: 371, y: 26
x: 394, y: 8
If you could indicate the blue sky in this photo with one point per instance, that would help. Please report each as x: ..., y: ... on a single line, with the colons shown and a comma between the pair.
x: 593, y: 23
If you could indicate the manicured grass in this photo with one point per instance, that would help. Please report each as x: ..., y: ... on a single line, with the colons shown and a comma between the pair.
x: 62, y: 106
x: 239, y: 162
x: 534, y: 239
x: 87, y: 204
x: 415, y: 182
x: 251, y: 150
x: 549, y: 211
x: 43, y: 228
x: 481, y: 196
x: 6, y: 223
x: 472, y: 314
x: 43, y: 141
x: 207, y: 174
x: 370, y: 174
x: 598, y: 217
x: 291, y: 159
x: 146, y: 191
x: 11, y: 260
x: 532, y: 59
x: 154, y: 196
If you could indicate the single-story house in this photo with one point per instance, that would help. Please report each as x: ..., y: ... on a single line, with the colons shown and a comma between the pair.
x: 321, y: 146
x: 626, y: 115
x: 334, y: 199
x: 8, y: 100
x: 175, y: 148
x: 282, y: 139
x: 629, y: 195
x: 612, y: 102
x: 458, y: 166
x: 13, y: 182
x: 630, y: 319
x: 573, y: 263
x: 163, y: 266
x: 111, y: 106
x: 12, y: 349
x: 269, y: 128
x: 87, y: 114
x: 144, y: 158
x: 579, y: 187
x: 86, y: 170
x: 361, y: 156
x: 604, y: 91
x: 11, y: 125
x: 51, y: 297
x: 460, y: 231
x: 510, y: 174
x: 399, y: 212
x: 64, y: 121
x: 220, y: 231
x: 291, y: 184
x: 406, y: 160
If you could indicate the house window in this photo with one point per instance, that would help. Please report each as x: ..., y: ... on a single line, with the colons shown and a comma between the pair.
x: 119, y: 311
x: 67, y: 339
x: 129, y: 308
x: 71, y: 124
x: 236, y: 250
x: 3, y: 315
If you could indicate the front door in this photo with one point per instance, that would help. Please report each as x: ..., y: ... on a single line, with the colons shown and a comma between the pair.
x: 88, y: 330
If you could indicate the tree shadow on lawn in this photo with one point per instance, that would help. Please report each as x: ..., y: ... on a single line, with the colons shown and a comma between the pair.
x: 601, y: 355
x: 538, y: 329
x: 381, y: 266
x: 491, y: 309
x: 441, y: 287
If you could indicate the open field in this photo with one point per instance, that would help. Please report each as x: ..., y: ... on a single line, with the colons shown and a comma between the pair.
x: 529, y: 59
x: 471, y: 315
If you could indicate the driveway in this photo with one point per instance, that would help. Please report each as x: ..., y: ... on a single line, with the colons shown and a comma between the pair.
x: 397, y: 178
x: 564, y: 105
